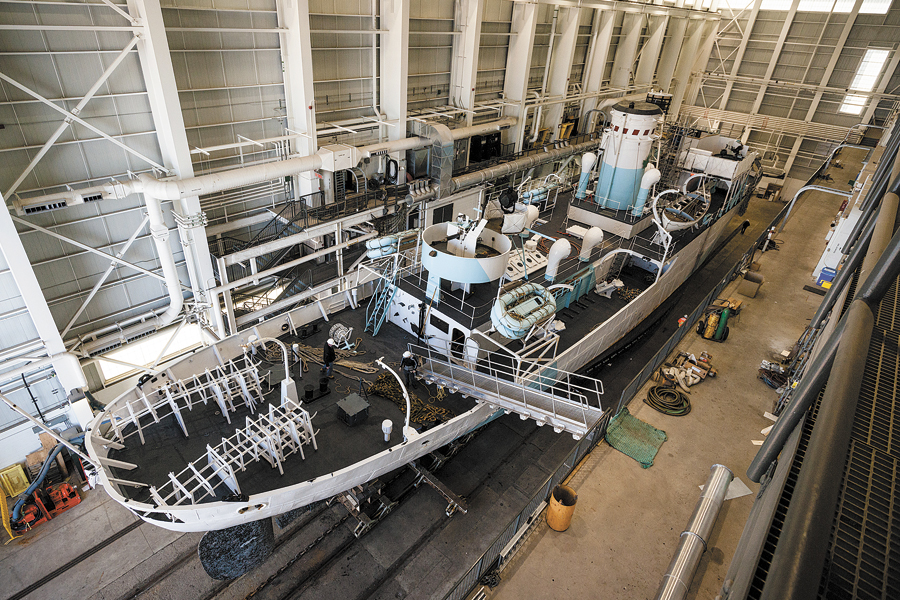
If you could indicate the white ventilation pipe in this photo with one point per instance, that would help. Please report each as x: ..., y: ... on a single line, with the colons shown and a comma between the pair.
x: 531, y: 215
x: 587, y: 163
x: 160, y: 234
x: 226, y: 180
x: 649, y: 179
x: 558, y: 251
x: 592, y: 239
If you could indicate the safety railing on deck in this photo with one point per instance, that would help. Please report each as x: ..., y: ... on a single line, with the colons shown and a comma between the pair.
x: 538, y: 390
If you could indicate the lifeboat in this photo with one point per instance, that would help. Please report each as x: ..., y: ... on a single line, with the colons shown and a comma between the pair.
x: 518, y: 310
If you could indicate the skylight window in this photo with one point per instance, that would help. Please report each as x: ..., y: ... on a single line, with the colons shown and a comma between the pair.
x: 869, y: 7
x: 864, y: 81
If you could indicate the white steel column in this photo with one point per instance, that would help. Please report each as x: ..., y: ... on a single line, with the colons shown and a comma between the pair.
x: 598, y: 54
x: 518, y: 68
x: 671, y: 49
x: 395, y: 72
x: 626, y: 51
x: 466, y: 46
x: 650, y: 52
x: 826, y: 76
x: 159, y: 77
x: 686, y: 61
x: 561, y: 66
x: 296, y: 62
x: 751, y: 22
x: 68, y: 371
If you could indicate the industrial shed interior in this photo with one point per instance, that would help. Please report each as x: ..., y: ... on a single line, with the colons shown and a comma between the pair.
x: 449, y: 299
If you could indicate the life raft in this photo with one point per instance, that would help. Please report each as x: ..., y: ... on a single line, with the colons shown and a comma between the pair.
x: 518, y: 310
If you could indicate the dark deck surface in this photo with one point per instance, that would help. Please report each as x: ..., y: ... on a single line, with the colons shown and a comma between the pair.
x: 167, y: 450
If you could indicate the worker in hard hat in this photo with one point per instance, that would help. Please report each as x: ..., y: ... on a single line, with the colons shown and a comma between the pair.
x: 409, y: 364
x: 328, y: 358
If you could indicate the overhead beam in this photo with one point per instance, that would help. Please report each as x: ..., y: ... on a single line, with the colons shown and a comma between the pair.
x: 83, y: 246
x: 739, y: 57
x: 165, y: 106
x: 626, y: 51
x: 29, y: 288
x: 665, y: 71
x: 773, y: 62
x: 80, y: 121
x: 826, y: 77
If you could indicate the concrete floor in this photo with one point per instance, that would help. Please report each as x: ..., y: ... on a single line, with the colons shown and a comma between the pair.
x: 628, y: 520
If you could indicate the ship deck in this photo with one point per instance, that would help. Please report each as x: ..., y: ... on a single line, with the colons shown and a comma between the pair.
x: 168, y: 450
x: 340, y: 445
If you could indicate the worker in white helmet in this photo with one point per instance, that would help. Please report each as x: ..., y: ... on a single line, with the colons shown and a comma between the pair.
x: 328, y: 358
x: 409, y: 364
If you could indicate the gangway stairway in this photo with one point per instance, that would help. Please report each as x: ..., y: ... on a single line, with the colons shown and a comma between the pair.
x: 381, y: 300
x: 563, y: 400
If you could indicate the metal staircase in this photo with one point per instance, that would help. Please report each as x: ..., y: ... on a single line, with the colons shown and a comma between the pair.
x: 549, y: 396
x: 380, y: 303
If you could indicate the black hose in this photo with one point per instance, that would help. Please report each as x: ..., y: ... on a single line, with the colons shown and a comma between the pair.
x: 668, y: 401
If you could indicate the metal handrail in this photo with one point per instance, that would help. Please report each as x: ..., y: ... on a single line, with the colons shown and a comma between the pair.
x: 535, y: 382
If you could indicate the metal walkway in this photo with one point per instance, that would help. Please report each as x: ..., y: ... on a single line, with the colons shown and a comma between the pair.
x: 563, y: 400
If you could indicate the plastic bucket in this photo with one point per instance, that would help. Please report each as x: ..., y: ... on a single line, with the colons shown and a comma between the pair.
x: 562, y: 505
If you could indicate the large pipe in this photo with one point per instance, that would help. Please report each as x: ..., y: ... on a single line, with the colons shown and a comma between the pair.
x: 532, y: 160
x: 677, y: 580
x: 211, y: 183
x: 882, y: 275
x: 160, y: 234
x: 796, y: 567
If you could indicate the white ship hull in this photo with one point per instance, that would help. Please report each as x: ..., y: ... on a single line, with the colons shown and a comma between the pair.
x: 218, y: 515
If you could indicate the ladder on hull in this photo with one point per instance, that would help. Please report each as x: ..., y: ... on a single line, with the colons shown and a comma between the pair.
x: 549, y: 396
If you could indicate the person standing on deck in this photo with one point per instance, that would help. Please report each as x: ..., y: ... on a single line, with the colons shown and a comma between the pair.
x: 328, y: 358
x: 409, y: 364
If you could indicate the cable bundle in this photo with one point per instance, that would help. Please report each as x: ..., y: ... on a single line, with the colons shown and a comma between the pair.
x: 773, y: 379
x: 668, y: 400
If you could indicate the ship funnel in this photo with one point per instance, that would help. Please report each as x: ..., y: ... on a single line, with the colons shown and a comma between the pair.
x: 651, y: 176
x: 558, y: 251
x: 587, y: 163
x: 592, y: 239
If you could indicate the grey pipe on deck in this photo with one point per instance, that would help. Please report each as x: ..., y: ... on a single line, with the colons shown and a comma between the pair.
x: 677, y: 580
x: 882, y: 274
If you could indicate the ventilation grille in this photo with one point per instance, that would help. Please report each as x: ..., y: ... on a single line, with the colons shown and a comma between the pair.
x: 36, y: 208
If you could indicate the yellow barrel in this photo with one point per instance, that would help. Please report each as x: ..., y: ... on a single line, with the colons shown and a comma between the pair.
x: 562, y: 505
